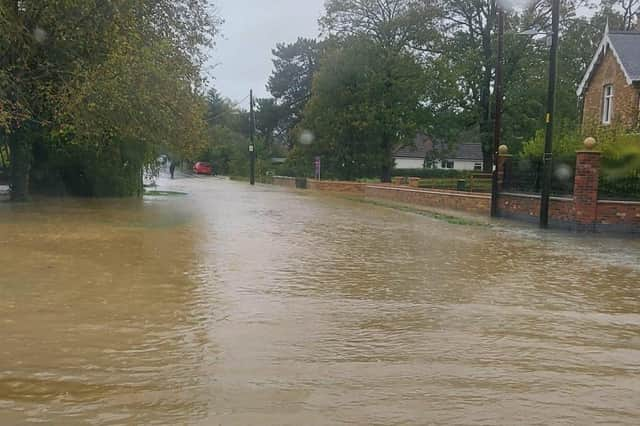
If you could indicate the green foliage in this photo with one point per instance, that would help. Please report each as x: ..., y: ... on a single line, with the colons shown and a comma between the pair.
x: 433, y: 173
x: 100, y: 80
x: 566, y: 142
x: 290, y: 85
x: 394, y: 25
x: 620, y: 172
x: 469, y: 183
x: 365, y: 103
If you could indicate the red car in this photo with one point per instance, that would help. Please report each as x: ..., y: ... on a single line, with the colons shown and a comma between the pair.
x: 202, y: 168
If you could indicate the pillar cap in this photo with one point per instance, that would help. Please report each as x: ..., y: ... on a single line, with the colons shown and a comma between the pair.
x: 590, y: 143
x: 503, y: 150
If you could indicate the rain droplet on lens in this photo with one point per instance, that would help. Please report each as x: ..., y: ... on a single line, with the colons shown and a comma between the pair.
x: 563, y: 172
x: 306, y: 137
x: 39, y: 35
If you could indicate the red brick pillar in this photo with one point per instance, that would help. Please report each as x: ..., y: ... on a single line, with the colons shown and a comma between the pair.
x: 585, y: 190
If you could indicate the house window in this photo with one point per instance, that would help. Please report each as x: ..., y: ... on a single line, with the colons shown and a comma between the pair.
x: 607, y: 104
x: 447, y: 164
x: 477, y: 167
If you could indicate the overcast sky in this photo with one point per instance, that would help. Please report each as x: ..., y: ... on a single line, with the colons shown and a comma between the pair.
x: 251, y: 29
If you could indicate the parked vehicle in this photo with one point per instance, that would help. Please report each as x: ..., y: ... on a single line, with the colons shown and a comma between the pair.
x: 202, y: 168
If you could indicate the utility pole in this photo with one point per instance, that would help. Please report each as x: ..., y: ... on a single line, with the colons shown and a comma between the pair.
x: 547, y: 161
x: 497, y: 126
x: 252, y: 147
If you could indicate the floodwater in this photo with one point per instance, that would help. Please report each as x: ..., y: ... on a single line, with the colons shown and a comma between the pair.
x: 236, y: 306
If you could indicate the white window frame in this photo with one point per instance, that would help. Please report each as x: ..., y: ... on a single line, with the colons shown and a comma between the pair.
x: 444, y: 164
x: 607, y: 104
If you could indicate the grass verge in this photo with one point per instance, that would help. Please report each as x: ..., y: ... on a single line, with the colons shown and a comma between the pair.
x: 454, y: 220
x: 164, y: 194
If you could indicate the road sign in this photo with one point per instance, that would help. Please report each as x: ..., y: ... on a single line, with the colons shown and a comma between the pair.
x: 317, y: 166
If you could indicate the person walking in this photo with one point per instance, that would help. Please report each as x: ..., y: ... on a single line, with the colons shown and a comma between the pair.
x: 172, y: 168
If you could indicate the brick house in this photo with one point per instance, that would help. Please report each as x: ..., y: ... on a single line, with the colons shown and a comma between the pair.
x: 610, y: 89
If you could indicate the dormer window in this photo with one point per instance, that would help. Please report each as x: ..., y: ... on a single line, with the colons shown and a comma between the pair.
x: 607, y: 104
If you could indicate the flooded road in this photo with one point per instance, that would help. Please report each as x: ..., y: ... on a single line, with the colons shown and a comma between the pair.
x: 236, y: 305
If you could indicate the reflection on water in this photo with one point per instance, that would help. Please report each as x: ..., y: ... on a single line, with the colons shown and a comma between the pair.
x: 240, y: 305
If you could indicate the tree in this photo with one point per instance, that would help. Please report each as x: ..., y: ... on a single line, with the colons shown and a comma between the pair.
x: 90, y: 78
x: 290, y: 84
x: 269, y: 116
x: 365, y: 104
x: 624, y: 10
x: 392, y: 24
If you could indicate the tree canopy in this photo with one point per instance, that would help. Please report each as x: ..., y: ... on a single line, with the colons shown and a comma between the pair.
x: 81, y: 77
x: 365, y: 103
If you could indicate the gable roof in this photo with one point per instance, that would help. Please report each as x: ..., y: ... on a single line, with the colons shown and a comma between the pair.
x: 424, y: 145
x: 625, y: 46
x: 418, y: 149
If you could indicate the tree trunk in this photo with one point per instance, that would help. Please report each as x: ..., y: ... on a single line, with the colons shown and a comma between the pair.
x: 387, y: 165
x: 20, y: 152
x: 3, y: 160
x: 386, y: 174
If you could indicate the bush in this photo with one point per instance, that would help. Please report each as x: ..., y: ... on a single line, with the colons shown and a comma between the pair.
x: 620, y: 172
x: 433, y: 173
x: 471, y: 184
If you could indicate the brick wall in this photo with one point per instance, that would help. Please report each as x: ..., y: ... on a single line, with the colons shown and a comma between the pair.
x: 527, y: 208
x: 582, y: 212
x: 625, y: 97
x: 289, y: 182
x: 337, y: 186
x: 452, y: 200
x: 622, y: 216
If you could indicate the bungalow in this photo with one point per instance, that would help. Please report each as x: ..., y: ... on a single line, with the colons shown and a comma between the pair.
x: 424, y: 153
x: 610, y: 89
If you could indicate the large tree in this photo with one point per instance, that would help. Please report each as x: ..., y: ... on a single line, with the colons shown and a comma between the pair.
x: 392, y: 24
x: 94, y: 78
x: 365, y: 103
x: 295, y: 65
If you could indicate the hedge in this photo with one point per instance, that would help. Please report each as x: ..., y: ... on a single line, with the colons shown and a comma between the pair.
x: 435, y: 173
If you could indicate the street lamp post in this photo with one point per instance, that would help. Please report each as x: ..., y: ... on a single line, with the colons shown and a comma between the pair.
x: 547, y: 161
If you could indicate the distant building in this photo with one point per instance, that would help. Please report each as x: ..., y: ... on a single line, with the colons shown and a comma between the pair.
x: 610, y: 89
x: 424, y: 153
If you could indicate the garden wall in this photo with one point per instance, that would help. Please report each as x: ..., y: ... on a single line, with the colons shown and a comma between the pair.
x: 527, y: 208
x: 453, y: 200
x: 337, y: 186
x: 621, y: 216
x: 289, y: 182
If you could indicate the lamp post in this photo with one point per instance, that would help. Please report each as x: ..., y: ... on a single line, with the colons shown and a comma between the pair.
x: 547, y: 161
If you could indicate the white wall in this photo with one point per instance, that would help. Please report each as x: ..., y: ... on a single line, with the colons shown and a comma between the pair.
x: 462, y: 165
x: 417, y: 163
x: 409, y: 163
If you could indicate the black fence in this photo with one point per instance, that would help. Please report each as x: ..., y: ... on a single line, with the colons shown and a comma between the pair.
x: 525, y: 176
x: 614, y: 187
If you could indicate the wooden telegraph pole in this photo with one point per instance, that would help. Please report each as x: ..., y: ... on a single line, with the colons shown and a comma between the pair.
x: 497, y: 126
x: 252, y: 147
x: 550, y: 117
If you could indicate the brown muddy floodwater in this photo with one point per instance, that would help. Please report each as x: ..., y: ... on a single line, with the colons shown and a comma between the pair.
x: 261, y: 306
